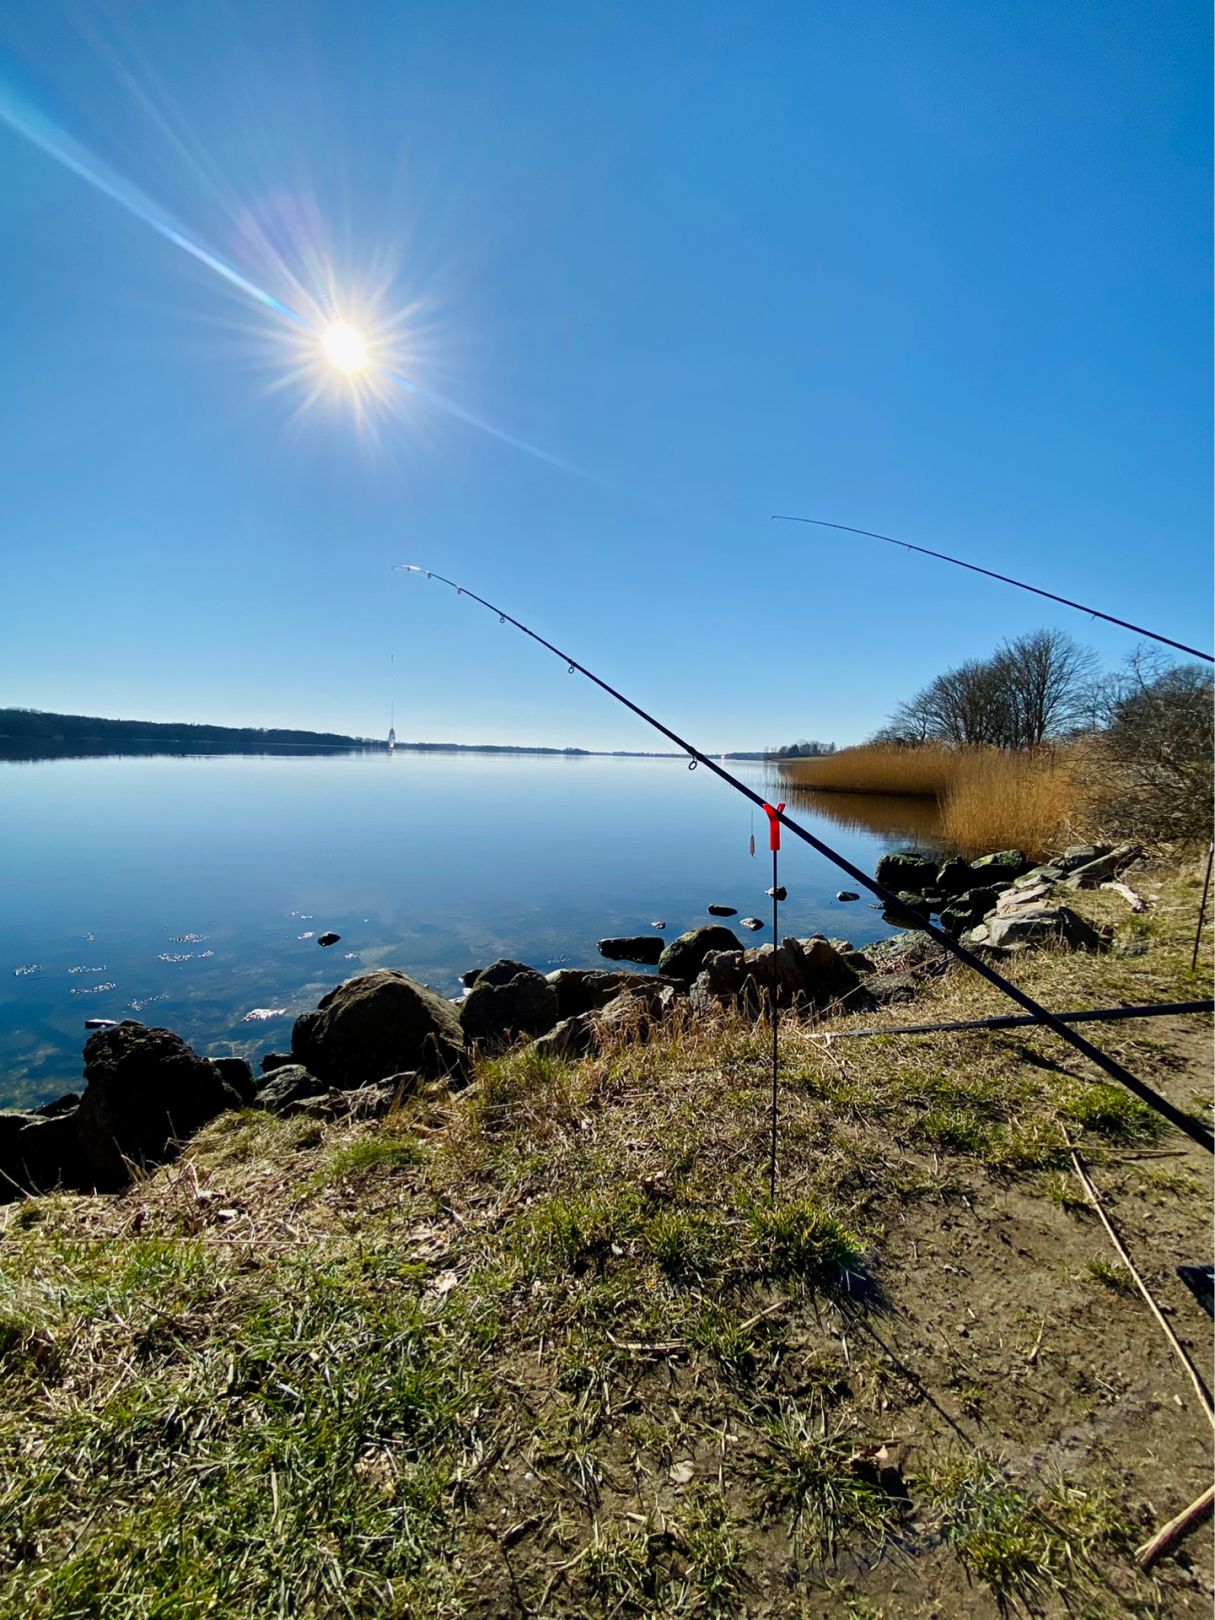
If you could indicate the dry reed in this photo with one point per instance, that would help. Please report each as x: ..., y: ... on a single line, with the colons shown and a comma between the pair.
x: 988, y: 798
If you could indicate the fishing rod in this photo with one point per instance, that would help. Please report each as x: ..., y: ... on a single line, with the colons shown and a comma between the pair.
x: 1102, y: 1015
x: 1005, y: 579
x: 1184, y: 1122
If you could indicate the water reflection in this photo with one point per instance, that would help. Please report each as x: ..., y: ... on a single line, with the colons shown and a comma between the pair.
x: 914, y: 820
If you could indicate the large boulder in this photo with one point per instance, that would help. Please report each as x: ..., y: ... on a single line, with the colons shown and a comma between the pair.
x: 645, y: 948
x: 379, y: 1024
x: 905, y: 870
x: 500, y: 972
x: 145, y: 1091
x: 581, y: 990
x: 1006, y: 864
x: 498, y: 1010
x: 238, y: 1075
x: 38, y: 1153
x: 572, y: 1038
x: 684, y: 957
x: 1043, y: 925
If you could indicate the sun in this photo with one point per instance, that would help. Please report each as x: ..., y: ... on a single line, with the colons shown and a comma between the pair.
x: 345, y: 347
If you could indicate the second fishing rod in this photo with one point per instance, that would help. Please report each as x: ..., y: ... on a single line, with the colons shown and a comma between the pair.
x: 1184, y: 1122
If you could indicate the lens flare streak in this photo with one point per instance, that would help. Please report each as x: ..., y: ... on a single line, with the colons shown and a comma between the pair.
x: 54, y: 142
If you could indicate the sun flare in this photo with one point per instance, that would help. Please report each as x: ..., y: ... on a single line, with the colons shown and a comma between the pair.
x: 345, y: 348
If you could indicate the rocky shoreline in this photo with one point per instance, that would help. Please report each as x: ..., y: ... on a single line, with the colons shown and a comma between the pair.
x: 376, y: 1038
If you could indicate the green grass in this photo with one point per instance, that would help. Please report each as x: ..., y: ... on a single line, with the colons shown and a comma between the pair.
x: 819, y: 1477
x: 1023, y: 1548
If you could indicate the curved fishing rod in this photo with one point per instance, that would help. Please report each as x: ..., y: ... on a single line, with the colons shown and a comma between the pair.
x: 1005, y: 579
x: 1184, y: 1122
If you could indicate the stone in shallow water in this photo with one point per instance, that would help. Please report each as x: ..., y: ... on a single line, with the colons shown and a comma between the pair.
x: 847, y: 894
x: 722, y: 911
x: 751, y: 923
x: 328, y: 939
x: 639, y: 948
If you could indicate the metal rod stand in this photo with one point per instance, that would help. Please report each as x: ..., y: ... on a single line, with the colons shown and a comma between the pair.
x: 1202, y: 908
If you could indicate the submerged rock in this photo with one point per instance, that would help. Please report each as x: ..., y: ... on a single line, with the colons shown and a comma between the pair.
x: 328, y: 939
x: 722, y: 911
x: 634, y: 948
x: 376, y: 1025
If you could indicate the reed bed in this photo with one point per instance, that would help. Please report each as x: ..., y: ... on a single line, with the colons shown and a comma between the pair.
x: 987, y: 798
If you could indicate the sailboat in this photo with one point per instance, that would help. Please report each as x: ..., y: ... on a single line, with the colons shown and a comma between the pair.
x: 392, y: 739
x: 392, y: 705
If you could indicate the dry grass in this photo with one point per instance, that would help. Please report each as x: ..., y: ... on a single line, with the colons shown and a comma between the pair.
x: 542, y: 1347
x: 988, y: 798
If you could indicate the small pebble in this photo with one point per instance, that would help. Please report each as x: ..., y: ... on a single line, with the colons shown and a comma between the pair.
x: 847, y: 894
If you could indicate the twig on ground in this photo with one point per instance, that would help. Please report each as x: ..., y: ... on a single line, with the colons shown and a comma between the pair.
x: 1171, y: 1533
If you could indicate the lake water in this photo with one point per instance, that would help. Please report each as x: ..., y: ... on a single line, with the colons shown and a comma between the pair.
x: 189, y: 891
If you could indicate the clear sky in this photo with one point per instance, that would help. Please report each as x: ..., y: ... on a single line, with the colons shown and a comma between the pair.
x: 938, y: 269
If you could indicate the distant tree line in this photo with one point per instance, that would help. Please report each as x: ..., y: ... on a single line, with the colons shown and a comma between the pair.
x: 33, y: 724
x: 798, y: 750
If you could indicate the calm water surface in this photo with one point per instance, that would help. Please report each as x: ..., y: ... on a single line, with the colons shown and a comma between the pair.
x: 189, y: 891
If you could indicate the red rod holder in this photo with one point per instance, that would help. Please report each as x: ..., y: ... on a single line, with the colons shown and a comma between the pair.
x: 774, y: 824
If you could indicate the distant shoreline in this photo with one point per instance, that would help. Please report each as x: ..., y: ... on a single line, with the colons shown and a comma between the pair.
x: 36, y: 729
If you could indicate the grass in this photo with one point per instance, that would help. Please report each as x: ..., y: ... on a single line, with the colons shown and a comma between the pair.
x: 543, y: 1346
x: 988, y: 798
x: 1024, y: 1548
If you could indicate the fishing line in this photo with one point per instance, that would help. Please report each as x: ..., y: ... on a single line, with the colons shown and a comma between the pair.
x: 1005, y: 579
x: 1184, y: 1122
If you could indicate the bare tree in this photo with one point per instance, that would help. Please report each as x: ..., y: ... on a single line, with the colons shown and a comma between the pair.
x: 1045, y: 678
x: 1158, y: 742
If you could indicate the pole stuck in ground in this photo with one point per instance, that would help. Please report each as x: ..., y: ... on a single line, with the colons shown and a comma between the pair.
x: 773, y: 816
x: 1202, y: 907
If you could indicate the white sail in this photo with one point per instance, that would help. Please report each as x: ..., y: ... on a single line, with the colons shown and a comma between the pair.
x: 392, y: 739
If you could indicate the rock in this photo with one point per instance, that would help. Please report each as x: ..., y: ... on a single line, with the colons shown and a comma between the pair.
x: 67, y: 1104
x: 582, y: 990
x: 850, y: 956
x: 145, y: 1091
x: 636, y: 948
x: 1038, y: 874
x: 719, y: 982
x: 967, y: 910
x: 627, y: 1018
x: 328, y: 939
x: 847, y: 894
x: 572, y: 1038
x: 1010, y: 900
x: 684, y: 956
x: 237, y: 1073
x: 100, y: 1023
x: 1104, y: 869
x: 932, y: 901
x: 470, y: 977
x: 904, y: 914
x: 780, y: 893
x: 1004, y: 863
x: 40, y: 1153
x: 955, y: 876
x: 497, y: 1011
x: 1081, y: 855
x: 275, y: 1060
x: 722, y: 911
x: 658, y: 925
x: 906, y: 870
x: 289, y: 1090
x: 1044, y: 925
x: 751, y: 924
x: 379, y: 1024
x: 503, y: 971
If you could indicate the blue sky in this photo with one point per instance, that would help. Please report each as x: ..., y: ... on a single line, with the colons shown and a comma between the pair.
x: 940, y: 270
